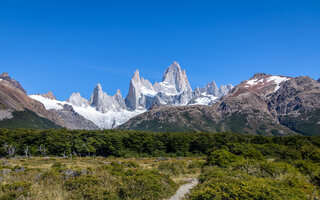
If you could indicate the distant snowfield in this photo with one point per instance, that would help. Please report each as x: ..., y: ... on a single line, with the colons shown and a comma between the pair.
x: 205, y: 99
x: 107, y: 120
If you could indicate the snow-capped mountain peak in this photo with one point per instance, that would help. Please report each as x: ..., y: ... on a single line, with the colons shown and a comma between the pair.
x: 77, y: 100
x: 174, y: 76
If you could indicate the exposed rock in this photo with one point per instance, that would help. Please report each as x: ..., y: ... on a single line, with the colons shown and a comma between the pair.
x: 49, y: 95
x: 6, y: 114
x: 5, y: 76
x: 298, y: 95
x: 104, y: 103
x: 73, y: 120
x: 134, y: 94
x: 69, y: 173
x: 176, y: 78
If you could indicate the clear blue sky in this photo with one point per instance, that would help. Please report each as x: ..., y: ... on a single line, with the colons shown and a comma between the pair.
x: 69, y: 46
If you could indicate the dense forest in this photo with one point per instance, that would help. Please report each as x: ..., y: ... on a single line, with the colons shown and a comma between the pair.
x: 123, y: 143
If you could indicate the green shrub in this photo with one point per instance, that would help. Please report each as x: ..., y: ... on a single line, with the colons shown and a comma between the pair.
x: 222, y: 158
x: 81, y: 182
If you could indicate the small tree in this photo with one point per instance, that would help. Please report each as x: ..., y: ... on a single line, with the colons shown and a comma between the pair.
x: 27, y: 152
x: 9, y: 149
x: 43, y: 150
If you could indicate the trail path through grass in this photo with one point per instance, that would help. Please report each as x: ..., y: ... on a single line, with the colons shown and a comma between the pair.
x: 185, y: 189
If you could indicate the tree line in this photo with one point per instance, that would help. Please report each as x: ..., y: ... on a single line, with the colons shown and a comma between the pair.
x: 127, y: 143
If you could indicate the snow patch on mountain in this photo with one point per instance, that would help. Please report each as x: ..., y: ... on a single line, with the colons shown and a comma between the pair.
x: 204, y: 99
x: 262, y: 80
x: 147, y: 91
x: 106, y: 120
x: 253, y: 82
x: 277, y: 80
x: 48, y: 103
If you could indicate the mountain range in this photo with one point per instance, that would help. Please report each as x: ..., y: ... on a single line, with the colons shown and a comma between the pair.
x: 103, y: 111
x: 264, y: 104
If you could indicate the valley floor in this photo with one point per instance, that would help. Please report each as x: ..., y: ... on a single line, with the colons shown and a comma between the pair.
x: 95, y: 177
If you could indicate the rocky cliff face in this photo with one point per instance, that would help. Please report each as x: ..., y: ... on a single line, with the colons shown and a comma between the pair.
x: 134, y: 94
x: 104, y: 103
x: 264, y: 104
x: 174, y: 79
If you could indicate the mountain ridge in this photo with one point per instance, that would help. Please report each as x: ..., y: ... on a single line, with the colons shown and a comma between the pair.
x: 264, y: 104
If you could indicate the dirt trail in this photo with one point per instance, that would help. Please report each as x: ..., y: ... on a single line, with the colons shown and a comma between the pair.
x: 184, y: 189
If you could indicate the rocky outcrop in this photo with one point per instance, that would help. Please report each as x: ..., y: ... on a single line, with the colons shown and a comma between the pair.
x: 119, y: 99
x: 5, y: 76
x: 49, y: 95
x: 104, y: 103
x: 6, y: 114
x: 134, y: 94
